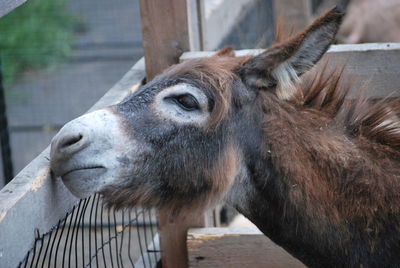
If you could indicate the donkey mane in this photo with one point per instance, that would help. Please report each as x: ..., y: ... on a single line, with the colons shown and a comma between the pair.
x: 337, y: 155
x: 325, y: 90
x: 374, y: 119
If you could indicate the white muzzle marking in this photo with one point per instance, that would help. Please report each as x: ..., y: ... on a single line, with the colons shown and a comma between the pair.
x: 87, y: 152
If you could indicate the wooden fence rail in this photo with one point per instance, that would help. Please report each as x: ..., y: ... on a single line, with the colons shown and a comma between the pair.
x: 373, y: 66
x: 7, y: 6
x: 236, y: 248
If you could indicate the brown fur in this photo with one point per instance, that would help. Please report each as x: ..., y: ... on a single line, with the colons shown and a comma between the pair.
x: 220, y: 177
x: 343, y: 155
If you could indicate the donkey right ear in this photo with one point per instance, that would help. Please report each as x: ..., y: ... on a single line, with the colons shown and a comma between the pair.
x: 279, y: 66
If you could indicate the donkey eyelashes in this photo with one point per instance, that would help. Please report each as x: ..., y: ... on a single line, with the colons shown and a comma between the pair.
x: 186, y: 101
x: 182, y: 103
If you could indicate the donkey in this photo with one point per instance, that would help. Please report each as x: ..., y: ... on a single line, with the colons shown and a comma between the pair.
x: 318, y: 174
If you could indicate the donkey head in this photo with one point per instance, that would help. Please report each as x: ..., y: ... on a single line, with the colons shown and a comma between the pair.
x: 183, y: 139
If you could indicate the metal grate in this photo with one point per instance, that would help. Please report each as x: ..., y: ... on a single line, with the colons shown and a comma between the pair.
x: 92, y: 235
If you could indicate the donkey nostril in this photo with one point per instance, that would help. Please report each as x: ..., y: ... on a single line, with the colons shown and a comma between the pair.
x: 68, y: 144
x: 70, y: 140
x: 71, y: 143
x: 64, y: 146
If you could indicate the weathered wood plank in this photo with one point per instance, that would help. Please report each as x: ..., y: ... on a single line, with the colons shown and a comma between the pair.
x: 173, y: 234
x: 294, y: 15
x: 165, y: 33
x: 34, y: 200
x: 7, y: 6
x: 173, y: 238
x: 373, y: 66
x: 236, y: 247
x: 201, y: 54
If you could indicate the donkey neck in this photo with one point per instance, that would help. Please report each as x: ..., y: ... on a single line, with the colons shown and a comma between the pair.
x: 291, y: 187
x: 263, y: 193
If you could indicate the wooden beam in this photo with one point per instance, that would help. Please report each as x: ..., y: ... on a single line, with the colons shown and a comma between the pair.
x: 173, y: 238
x: 294, y: 15
x: 7, y: 6
x: 236, y: 248
x: 165, y: 33
x: 173, y: 234
x: 371, y: 66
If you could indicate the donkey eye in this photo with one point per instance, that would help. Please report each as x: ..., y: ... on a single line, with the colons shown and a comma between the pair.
x: 187, y: 102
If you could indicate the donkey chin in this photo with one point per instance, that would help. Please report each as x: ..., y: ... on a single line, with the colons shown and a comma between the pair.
x: 91, y: 152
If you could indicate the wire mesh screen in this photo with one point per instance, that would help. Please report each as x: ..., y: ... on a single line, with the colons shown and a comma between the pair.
x: 58, y: 57
x: 92, y: 235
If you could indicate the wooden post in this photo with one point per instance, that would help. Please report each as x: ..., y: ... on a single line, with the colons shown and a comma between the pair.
x: 295, y: 14
x: 195, y: 22
x: 173, y: 236
x: 165, y: 33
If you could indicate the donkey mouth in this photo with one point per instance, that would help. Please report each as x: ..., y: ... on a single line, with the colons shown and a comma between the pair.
x: 76, y: 172
x: 83, y: 173
x: 83, y: 181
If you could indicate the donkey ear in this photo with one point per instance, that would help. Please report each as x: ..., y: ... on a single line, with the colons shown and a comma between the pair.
x: 280, y: 66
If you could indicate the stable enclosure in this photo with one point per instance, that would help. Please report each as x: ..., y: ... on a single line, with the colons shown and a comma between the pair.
x: 35, y: 208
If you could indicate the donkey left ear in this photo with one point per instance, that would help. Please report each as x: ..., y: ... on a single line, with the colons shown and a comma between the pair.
x: 280, y: 66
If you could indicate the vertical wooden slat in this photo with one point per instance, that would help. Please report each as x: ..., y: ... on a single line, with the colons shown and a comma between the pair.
x: 295, y: 14
x: 201, y: 15
x: 5, y: 145
x: 195, y: 24
x: 173, y: 236
x: 165, y: 33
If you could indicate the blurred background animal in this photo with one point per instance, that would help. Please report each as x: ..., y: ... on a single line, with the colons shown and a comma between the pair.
x: 369, y: 21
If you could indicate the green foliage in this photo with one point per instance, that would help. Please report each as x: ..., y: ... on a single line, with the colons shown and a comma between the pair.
x: 36, y: 34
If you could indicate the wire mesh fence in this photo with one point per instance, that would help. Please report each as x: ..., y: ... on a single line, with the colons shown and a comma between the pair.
x: 92, y: 235
x: 58, y: 58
